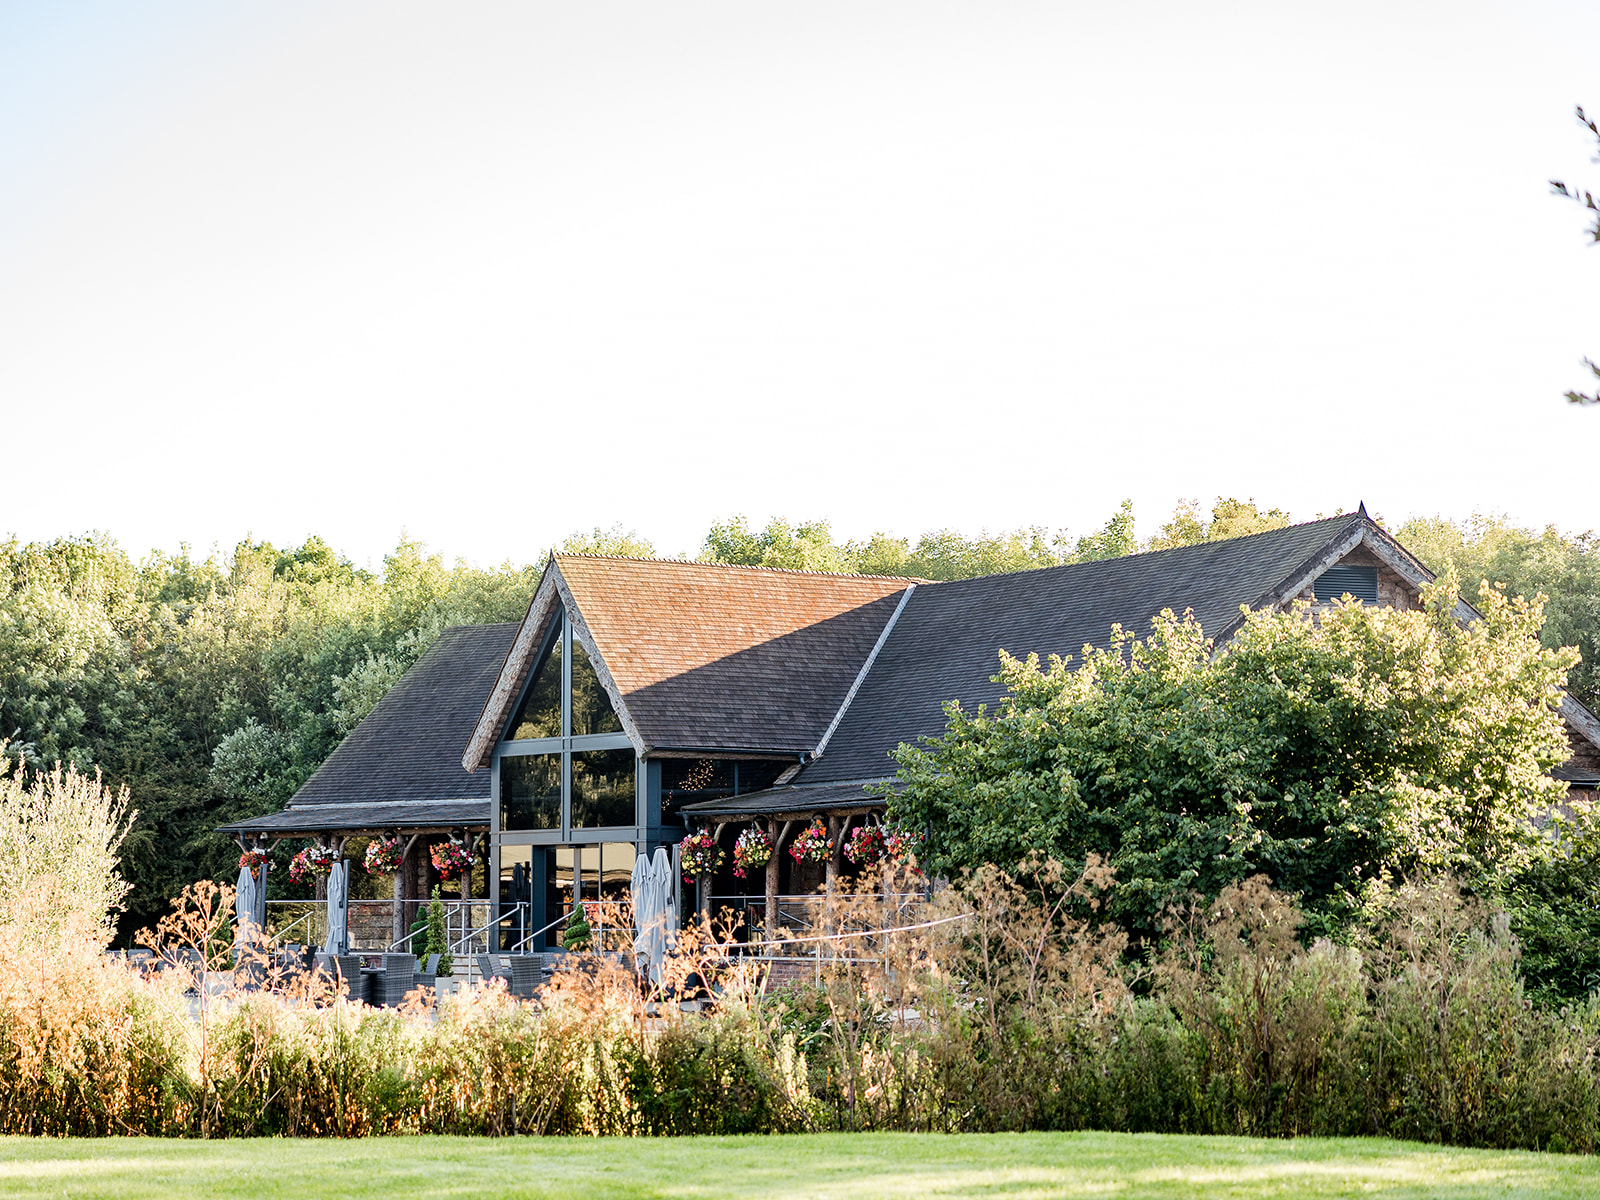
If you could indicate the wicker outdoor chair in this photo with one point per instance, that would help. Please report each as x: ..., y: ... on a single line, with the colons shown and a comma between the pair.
x: 399, y: 977
x: 489, y: 968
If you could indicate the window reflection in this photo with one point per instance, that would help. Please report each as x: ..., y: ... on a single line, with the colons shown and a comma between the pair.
x: 602, y: 788
x: 684, y: 780
x: 530, y: 791
x: 591, y: 706
x: 540, y: 714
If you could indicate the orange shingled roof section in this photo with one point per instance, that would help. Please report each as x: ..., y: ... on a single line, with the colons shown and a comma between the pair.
x: 654, y: 619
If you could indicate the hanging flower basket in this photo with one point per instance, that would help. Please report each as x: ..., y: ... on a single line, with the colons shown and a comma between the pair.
x: 450, y: 859
x: 254, y: 859
x: 752, y: 851
x: 901, y: 847
x: 384, y: 856
x: 700, y: 855
x: 812, y: 844
x: 866, y: 845
x: 312, y: 862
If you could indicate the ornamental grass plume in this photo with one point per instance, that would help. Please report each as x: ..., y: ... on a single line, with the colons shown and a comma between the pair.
x: 66, y: 827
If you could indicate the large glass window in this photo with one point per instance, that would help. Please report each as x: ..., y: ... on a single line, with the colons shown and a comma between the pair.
x: 591, y: 706
x: 582, y: 771
x: 516, y: 889
x: 540, y: 714
x: 594, y: 872
x: 530, y: 791
x: 602, y: 788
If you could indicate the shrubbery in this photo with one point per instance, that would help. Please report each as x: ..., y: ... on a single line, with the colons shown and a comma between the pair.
x: 1008, y: 1003
x: 1022, y: 1012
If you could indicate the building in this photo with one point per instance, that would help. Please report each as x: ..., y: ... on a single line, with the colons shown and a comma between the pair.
x: 639, y: 697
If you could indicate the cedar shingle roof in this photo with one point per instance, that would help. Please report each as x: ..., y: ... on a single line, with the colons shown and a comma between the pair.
x: 404, y: 759
x: 946, y: 643
x: 717, y: 657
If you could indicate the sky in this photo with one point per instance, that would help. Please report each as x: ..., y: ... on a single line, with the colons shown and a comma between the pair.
x: 487, y: 274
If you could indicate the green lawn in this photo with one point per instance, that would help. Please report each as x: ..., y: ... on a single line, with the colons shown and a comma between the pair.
x: 850, y: 1167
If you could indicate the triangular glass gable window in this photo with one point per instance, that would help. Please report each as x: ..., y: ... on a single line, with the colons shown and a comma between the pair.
x: 591, y: 707
x: 540, y: 714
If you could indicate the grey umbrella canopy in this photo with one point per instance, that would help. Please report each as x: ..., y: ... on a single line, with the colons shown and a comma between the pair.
x: 652, y: 909
x: 247, y: 927
x: 339, y: 908
x: 258, y: 903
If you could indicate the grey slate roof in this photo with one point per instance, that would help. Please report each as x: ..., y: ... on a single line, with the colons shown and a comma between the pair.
x: 791, y: 801
x: 946, y: 643
x: 404, y: 759
x: 367, y: 818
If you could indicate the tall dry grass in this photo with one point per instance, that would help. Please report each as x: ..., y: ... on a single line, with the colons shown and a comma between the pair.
x: 1005, y: 1002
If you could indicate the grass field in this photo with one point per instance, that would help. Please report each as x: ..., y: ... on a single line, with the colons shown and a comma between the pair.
x: 853, y: 1166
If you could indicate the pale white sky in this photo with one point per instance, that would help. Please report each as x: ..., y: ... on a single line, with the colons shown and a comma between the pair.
x: 495, y: 272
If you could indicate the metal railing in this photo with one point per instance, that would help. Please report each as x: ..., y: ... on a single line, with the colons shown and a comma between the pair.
x: 371, y: 923
x: 459, y: 931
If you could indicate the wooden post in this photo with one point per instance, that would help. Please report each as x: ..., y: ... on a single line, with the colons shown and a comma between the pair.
x: 780, y: 838
x: 836, y: 836
x: 421, y: 868
x: 400, y: 924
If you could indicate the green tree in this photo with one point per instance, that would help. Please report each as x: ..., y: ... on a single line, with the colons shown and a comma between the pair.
x: 213, y: 687
x: 1563, y: 568
x: 805, y: 547
x: 1230, y: 518
x: 1327, y: 754
x: 615, y: 542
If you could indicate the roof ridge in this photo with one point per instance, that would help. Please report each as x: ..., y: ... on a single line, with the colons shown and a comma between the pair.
x: 690, y: 562
x: 1149, y: 553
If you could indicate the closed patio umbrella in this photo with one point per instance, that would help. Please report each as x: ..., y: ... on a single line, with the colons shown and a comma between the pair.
x: 339, y: 908
x: 246, y: 928
x: 652, y: 909
x: 258, y: 903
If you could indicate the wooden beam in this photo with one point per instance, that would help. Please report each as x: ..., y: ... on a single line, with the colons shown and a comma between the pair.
x: 780, y: 838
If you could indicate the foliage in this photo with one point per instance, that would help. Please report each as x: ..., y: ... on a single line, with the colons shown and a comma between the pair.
x: 615, y: 542
x: 1564, y: 568
x: 1009, y: 1004
x: 1329, y: 755
x: 60, y: 831
x: 438, y: 937
x: 1587, y: 201
x: 576, y: 935
x: 1230, y: 518
x: 939, y: 555
x: 212, y: 687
